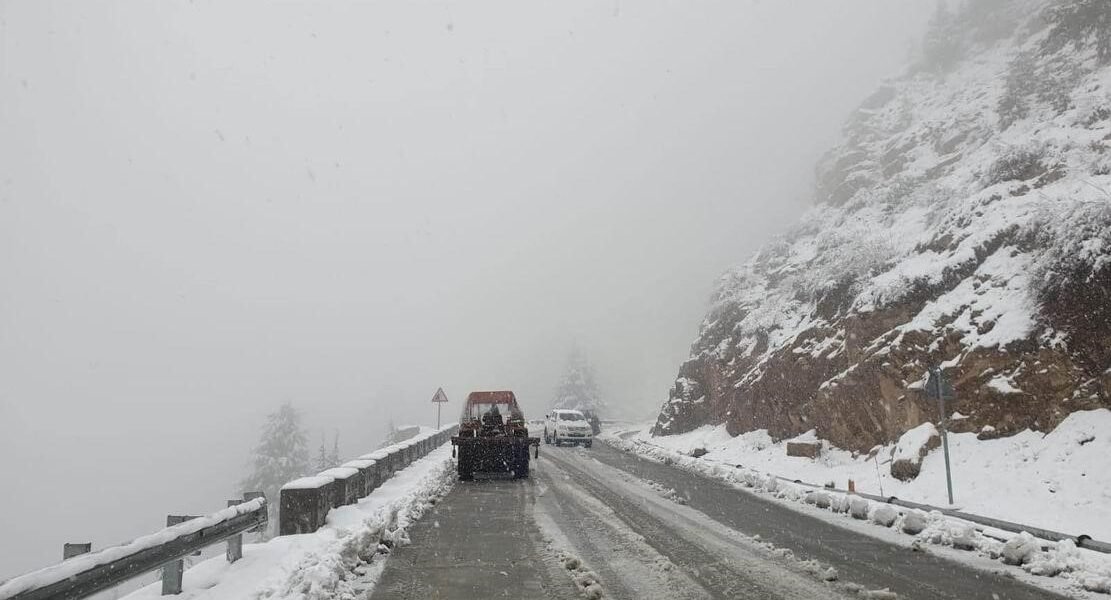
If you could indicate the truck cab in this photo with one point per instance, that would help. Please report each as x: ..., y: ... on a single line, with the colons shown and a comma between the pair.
x: 568, y: 426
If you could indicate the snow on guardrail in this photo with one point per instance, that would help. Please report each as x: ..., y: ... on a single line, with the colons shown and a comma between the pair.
x: 401, y: 499
x: 122, y: 554
x: 343, y: 559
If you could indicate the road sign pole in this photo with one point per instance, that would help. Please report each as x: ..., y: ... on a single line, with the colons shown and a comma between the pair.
x: 940, y: 391
x: 439, y: 399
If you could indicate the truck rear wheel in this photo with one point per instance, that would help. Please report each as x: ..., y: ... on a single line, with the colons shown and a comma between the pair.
x: 465, y: 466
x: 521, y: 465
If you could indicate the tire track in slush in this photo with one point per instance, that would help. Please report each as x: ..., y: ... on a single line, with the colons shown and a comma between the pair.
x: 478, y: 542
x: 741, y: 572
x: 628, y: 567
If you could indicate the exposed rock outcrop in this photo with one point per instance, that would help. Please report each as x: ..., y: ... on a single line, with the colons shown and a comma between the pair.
x: 804, y: 449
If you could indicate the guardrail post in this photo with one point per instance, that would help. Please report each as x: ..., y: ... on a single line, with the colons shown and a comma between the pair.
x: 235, y: 542
x: 71, y: 550
x: 173, y: 571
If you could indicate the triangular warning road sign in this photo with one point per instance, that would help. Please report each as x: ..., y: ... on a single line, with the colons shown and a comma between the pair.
x: 440, y: 396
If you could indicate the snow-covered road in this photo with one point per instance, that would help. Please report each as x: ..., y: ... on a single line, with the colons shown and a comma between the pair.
x: 645, y: 543
x: 600, y: 523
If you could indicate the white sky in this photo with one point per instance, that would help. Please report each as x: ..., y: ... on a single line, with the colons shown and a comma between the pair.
x: 210, y: 207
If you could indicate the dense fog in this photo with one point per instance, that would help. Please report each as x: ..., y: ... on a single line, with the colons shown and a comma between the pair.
x: 211, y: 208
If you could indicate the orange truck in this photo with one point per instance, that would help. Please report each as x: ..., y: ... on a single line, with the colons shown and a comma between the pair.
x: 493, y: 437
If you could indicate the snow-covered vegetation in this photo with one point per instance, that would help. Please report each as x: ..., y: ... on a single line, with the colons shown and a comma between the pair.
x: 281, y: 455
x: 578, y: 389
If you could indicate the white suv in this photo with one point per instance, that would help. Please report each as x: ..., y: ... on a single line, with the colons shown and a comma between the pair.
x: 571, y: 426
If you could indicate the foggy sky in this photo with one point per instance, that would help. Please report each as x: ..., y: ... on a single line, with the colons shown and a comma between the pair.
x: 209, y: 208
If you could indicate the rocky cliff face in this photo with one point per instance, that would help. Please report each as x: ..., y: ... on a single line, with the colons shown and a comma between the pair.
x: 965, y: 220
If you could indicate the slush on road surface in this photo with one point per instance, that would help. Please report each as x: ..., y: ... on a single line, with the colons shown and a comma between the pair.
x: 602, y: 521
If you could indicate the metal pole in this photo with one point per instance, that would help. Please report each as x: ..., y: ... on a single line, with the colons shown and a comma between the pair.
x: 235, y: 542
x: 173, y: 572
x: 438, y: 406
x: 939, y: 389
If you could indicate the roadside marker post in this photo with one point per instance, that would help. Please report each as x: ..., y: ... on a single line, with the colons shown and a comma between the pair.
x: 942, y: 390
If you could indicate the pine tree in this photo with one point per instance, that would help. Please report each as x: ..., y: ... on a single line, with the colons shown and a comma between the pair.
x: 334, y: 456
x: 322, y: 459
x: 281, y: 455
x: 1079, y: 23
x: 391, y: 432
x: 942, y: 44
x: 577, y: 389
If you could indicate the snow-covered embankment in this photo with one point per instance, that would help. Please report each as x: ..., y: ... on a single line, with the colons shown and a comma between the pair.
x: 1054, y: 481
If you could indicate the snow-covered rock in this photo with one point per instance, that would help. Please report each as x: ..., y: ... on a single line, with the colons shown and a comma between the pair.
x: 819, y: 499
x: 858, y: 508
x: 963, y: 537
x: 1020, y: 549
x: 911, y: 449
x: 914, y: 522
x: 885, y: 515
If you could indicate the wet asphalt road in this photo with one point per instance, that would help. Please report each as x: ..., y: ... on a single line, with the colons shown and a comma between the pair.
x: 500, y: 538
x: 479, y: 542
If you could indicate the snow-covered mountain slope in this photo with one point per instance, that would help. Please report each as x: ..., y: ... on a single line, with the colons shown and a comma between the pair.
x: 965, y: 220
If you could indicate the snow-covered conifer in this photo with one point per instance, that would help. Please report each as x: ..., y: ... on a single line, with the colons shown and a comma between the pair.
x: 577, y: 388
x: 281, y: 455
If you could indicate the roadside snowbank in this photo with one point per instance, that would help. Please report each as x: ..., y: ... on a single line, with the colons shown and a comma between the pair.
x: 1058, y: 481
x: 341, y: 560
x: 752, y: 461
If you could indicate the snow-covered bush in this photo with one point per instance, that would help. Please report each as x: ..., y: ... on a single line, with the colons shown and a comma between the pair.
x: 1021, y: 163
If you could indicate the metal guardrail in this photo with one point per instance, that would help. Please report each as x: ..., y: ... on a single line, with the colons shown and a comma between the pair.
x: 1081, y: 541
x: 87, y: 574
x: 83, y: 574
